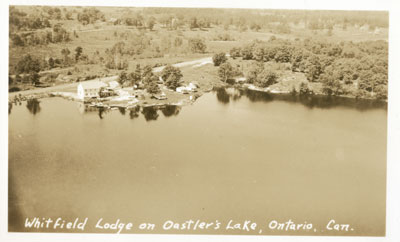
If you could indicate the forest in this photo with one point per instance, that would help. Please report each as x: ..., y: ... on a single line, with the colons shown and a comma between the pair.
x: 359, y: 69
x: 346, y: 52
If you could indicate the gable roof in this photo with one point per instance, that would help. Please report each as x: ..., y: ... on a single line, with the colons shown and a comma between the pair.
x: 113, y: 84
x: 92, y: 84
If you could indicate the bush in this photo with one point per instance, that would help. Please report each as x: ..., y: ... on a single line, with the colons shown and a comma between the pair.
x: 224, y: 37
x: 235, y: 52
x: 304, y: 89
x: 381, y: 92
x: 247, y: 53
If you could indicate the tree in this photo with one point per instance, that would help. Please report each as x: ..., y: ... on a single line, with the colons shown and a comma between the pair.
x: 381, y: 92
x: 17, y: 40
x: 51, y: 62
x: 313, y: 68
x: 122, y: 78
x: 147, y: 71
x: 266, y: 78
x: 178, y: 42
x: 18, y: 78
x: 219, y: 58
x: 332, y: 86
x: 330, y: 79
x: 122, y: 65
x: 283, y: 54
x: 255, y: 27
x: 150, y: 23
x: 150, y: 80
x: 235, y: 52
x: 34, y: 78
x: 193, y: 23
x: 78, y: 52
x: 247, y: 52
x: 90, y: 15
x: 254, y: 71
x: 197, y: 45
x: 304, y: 89
x: 258, y: 52
x: 68, y: 16
x: 171, y: 76
x: 151, y: 84
x: 135, y: 76
x: 225, y: 72
x: 28, y: 64
x: 65, y: 52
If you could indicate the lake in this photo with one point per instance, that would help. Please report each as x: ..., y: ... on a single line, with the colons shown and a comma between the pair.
x: 233, y: 154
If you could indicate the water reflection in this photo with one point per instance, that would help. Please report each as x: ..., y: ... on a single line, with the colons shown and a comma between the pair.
x: 33, y: 106
x: 225, y: 95
x: 150, y: 113
x: 222, y: 95
x: 171, y: 110
x: 85, y: 108
x: 122, y: 110
x: 134, y: 112
x: 102, y: 110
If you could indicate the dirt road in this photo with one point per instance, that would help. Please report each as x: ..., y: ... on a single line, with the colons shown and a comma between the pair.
x: 197, y: 62
x: 63, y: 87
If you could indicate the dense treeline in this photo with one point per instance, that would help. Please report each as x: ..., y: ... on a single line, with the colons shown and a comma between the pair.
x: 20, y: 20
x: 359, y: 69
x: 257, y: 19
x: 143, y: 46
x: 38, y: 18
x: 90, y: 16
x: 57, y: 34
x: 174, y: 18
x: 29, y: 63
x: 277, y: 20
x: 28, y: 68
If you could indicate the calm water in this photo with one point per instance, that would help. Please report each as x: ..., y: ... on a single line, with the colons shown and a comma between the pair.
x: 240, y: 155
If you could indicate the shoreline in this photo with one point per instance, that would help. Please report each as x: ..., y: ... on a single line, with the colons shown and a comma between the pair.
x: 267, y: 90
x: 187, y: 99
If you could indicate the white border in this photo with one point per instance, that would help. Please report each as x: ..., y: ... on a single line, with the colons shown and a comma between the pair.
x: 393, y: 165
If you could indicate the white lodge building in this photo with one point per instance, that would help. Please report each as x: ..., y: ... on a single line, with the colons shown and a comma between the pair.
x: 90, y: 89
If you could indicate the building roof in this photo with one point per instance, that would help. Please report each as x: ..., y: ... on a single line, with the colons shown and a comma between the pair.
x: 113, y: 84
x: 92, y: 84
